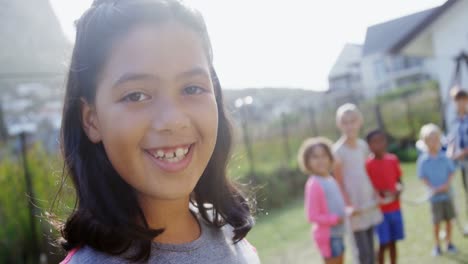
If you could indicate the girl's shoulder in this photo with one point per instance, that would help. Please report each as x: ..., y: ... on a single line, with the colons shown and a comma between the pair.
x: 362, y: 143
x: 87, y: 255
x: 314, y: 183
x: 213, y: 239
x: 243, y: 248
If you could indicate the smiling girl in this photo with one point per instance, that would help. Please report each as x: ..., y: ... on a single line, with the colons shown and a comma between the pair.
x: 146, y: 141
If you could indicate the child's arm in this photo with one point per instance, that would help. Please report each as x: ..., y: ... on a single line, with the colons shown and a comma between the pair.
x: 434, y: 190
x: 338, y: 174
x: 312, y: 203
x: 460, y: 155
x: 377, y: 193
x: 446, y: 186
x: 451, y: 170
x: 399, y: 186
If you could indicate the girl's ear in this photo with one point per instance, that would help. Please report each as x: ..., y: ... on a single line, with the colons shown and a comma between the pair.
x: 90, y: 122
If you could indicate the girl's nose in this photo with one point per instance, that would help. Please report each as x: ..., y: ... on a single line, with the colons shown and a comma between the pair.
x: 169, y: 116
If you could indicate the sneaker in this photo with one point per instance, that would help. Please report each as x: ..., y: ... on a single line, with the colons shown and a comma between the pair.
x: 436, y: 252
x: 452, y: 249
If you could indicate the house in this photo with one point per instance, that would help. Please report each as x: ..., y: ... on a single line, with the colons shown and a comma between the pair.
x: 32, y: 69
x: 381, y: 69
x: 442, y: 36
x: 344, y: 79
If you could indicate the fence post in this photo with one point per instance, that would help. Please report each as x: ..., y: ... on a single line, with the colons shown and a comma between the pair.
x: 3, y: 129
x: 248, y: 145
x: 409, y: 116
x: 284, y: 124
x: 30, y: 196
x: 379, y: 117
x: 313, y: 121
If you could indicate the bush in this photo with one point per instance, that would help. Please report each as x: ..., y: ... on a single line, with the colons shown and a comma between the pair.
x: 16, y: 244
x: 404, y: 154
x: 274, y: 190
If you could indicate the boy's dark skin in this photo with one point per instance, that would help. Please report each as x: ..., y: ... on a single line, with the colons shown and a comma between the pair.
x: 378, y: 146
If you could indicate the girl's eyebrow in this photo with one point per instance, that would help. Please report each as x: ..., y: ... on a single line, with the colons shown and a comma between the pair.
x: 133, y: 76
x: 196, y: 71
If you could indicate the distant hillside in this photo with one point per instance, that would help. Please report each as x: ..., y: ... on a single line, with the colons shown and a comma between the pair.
x: 32, y: 40
x: 270, y: 99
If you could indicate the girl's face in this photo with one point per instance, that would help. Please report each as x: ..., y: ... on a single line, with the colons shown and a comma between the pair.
x: 319, y: 162
x: 350, y: 124
x: 155, y: 110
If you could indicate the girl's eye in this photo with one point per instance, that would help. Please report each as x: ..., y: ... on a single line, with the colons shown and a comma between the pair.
x: 135, y: 97
x: 190, y: 90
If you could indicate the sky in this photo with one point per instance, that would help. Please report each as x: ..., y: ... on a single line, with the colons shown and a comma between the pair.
x: 273, y: 43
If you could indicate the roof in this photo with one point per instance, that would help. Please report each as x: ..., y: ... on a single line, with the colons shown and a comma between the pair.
x: 381, y: 38
x: 350, y: 54
x: 421, y: 26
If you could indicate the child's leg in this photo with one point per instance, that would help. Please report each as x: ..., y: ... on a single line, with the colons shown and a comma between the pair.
x: 393, y: 252
x: 397, y: 234
x: 384, y: 231
x: 381, y: 254
x: 448, y: 230
x: 365, y: 244
x: 336, y: 260
x: 337, y: 250
x: 436, y: 233
x: 437, y: 218
x: 449, y: 215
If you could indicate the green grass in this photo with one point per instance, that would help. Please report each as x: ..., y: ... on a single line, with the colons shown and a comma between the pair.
x: 283, y: 236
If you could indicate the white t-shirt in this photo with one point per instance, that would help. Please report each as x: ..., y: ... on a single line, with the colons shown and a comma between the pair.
x: 357, y: 184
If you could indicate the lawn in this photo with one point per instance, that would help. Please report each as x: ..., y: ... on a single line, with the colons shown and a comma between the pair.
x: 283, y: 236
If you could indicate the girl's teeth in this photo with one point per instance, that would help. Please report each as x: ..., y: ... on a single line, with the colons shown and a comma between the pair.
x: 175, y: 159
x: 160, y: 154
x: 179, y: 152
x: 175, y: 156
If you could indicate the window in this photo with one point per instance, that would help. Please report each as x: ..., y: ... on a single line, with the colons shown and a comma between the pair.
x: 380, y: 69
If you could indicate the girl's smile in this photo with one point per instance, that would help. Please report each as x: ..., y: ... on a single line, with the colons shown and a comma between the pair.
x: 172, y: 159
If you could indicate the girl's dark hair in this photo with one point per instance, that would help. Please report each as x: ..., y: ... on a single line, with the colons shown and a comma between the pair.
x: 107, y: 216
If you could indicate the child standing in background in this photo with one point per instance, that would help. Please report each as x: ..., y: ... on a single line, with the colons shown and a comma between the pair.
x: 385, y: 174
x: 324, y: 203
x: 350, y: 172
x: 436, y: 170
x: 458, y: 146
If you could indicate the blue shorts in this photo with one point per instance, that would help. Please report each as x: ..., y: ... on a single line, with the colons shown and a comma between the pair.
x: 391, y: 229
x: 337, y: 246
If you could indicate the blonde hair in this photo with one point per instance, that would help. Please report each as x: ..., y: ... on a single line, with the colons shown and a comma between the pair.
x: 429, y: 129
x: 345, y: 109
x: 306, y: 149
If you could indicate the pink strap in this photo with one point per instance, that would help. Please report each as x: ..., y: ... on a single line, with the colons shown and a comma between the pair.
x: 69, y: 256
x: 254, y: 248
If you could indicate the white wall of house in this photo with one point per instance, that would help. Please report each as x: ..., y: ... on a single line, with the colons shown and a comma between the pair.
x: 370, y: 79
x: 444, y: 39
x: 450, y: 37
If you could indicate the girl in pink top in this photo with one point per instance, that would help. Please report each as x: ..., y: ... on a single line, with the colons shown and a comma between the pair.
x: 324, y: 203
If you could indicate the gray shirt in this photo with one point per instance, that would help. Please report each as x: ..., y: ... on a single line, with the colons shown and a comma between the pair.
x: 357, y: 184
x: 213, y: 246
x: 335, y: 202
